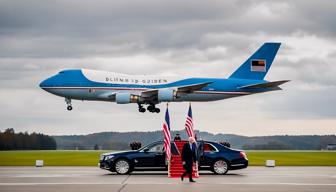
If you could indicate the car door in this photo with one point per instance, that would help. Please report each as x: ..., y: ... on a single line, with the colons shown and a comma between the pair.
x: 150, y: 156
x: 160, y: 156
x: 200, y: 151
x: 209, y: 154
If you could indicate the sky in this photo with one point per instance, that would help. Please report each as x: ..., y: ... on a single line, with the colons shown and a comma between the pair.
x: 194, y: 38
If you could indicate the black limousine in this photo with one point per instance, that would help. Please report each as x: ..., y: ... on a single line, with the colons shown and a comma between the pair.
x: 212, y: 156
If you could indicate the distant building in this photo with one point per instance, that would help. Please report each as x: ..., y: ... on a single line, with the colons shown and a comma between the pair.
x: 331, y: 146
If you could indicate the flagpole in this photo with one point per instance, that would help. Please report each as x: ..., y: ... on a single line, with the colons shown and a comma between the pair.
x: 169, y: 159
x: 170, y: 155
x: 169, y: 168
x: 194, y: 135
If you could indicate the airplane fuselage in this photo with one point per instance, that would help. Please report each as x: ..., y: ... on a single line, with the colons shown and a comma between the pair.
x: 80, y: 84
x: 92, y: 85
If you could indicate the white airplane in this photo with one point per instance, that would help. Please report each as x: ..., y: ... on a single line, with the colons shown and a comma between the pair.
x: 84, y: 84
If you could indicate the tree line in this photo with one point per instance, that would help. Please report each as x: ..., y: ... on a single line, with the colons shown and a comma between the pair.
x: 272, y: 145
x: 9, y: 140
x: 121, y: 140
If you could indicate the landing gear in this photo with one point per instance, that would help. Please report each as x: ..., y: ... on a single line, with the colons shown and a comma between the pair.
x: 141, y: 108
x: 151, y: 108
x: 68, y: 102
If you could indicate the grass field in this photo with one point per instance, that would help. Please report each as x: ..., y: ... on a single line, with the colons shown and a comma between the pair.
x: 50, y: 158
x: 91, y: 158
x: 293, y: 158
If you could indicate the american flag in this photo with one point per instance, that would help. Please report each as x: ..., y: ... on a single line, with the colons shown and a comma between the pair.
x: 189, y: 126
x: 258, y: 65
x: 166, y: 132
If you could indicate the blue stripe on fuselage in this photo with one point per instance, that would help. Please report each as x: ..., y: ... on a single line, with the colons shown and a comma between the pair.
x: 75, y: 78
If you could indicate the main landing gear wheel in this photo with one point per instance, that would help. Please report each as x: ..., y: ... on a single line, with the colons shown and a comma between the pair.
x: 141, y: 108
x: 68, y: 102
x: 153, y: 109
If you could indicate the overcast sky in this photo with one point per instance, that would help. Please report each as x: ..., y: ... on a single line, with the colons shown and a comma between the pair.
x: 192, y: 38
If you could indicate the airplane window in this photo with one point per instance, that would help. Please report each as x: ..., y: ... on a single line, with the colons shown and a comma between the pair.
x: 156, y: 148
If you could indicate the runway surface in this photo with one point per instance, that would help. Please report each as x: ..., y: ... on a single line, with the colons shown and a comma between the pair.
x: 85, y: 179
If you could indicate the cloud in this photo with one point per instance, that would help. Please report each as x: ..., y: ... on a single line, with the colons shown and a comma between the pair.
x: 196, y: 38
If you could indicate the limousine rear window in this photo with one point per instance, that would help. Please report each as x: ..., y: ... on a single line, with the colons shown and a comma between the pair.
x: 209, y: 147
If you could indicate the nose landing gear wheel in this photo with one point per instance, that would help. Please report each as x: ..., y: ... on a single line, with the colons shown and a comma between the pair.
x: 68, y: 102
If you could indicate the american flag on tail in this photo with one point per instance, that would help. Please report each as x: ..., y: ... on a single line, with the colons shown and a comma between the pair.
x: 166, y: 132
x: 189, y: 126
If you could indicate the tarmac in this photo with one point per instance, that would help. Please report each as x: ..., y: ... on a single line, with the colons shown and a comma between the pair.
x: 84, y: 179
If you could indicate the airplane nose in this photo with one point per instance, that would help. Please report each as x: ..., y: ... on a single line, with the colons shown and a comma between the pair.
x: 41, y: 84
x: 44, y: 83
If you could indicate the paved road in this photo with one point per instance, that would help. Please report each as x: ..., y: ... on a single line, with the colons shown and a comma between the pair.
x: 83, y: 179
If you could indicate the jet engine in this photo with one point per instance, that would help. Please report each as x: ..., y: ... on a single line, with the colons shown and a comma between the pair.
x: 125, y: 98
x: 166, y: 95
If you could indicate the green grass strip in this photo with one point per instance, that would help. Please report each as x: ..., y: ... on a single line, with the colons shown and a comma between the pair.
x: 91, y: 158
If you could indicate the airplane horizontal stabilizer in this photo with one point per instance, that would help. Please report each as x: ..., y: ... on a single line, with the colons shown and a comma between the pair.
x: 264, y: 85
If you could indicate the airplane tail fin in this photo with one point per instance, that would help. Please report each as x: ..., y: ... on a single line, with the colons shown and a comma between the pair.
x: 257, y: 66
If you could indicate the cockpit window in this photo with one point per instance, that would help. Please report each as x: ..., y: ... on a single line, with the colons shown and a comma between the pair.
x: 61, y: 72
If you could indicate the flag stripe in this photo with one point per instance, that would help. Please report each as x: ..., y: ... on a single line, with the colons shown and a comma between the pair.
x: 189, y: 126
x: 167, y: 137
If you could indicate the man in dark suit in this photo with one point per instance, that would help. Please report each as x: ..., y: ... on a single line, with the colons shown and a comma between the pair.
x: 177, y: 137
x: 189, y: 156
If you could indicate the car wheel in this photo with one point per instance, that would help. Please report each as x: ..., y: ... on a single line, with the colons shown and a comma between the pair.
x: 220, y: 167
x: 122, y: 166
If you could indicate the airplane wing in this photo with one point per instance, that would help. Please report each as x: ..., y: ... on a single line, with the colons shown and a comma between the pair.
x: 193, y: 87
x: 181, y: 90
x: 149, y: 93
x: 264, y: 85
x: 152, y: 93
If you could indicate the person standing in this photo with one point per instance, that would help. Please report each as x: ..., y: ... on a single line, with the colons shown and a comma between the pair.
x: 188, y: 158
x: 135, y: 145
x: 177, y: 137
x: 132, y: 145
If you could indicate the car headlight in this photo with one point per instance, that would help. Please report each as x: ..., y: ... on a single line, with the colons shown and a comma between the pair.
x: 109, y: 157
